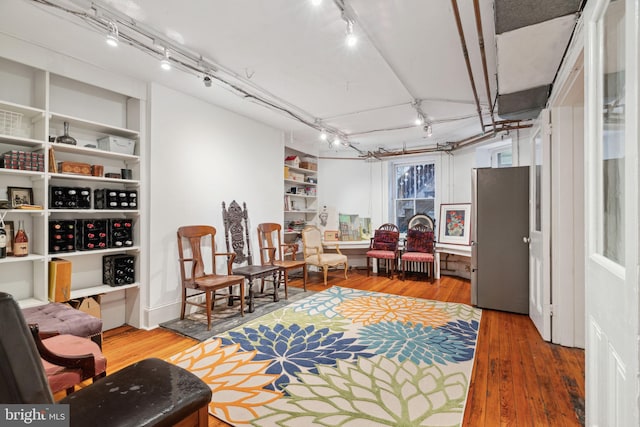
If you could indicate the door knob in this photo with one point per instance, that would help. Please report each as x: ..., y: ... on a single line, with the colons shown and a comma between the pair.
x: 526, y: 239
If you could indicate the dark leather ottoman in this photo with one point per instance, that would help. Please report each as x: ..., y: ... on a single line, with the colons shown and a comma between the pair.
x: 59, y: 318
x: 148, y: 393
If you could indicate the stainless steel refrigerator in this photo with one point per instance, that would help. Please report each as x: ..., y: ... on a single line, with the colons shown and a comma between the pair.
x: 499, y: 252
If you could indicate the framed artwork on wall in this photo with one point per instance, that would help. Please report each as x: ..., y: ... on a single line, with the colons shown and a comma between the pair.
x: 455, y: 224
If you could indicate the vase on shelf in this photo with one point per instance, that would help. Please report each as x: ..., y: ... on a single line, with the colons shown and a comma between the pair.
x: 66, y: 139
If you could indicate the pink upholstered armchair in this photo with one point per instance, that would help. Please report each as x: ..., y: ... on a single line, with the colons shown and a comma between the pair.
x: 419, y: 248
x: 384, y: 246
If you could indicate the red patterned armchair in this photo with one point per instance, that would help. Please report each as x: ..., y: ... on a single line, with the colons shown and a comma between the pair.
x: 384, y: 246
x: 419, y: 248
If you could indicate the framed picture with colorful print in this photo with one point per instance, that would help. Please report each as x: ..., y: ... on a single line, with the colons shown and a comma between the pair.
x: 455, y: 224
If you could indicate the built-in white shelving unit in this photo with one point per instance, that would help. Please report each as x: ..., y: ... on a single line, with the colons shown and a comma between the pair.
x: 39, y: 102
x: 300, y: 193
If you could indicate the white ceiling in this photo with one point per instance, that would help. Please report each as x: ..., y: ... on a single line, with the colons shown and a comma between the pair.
x: 294, y: 54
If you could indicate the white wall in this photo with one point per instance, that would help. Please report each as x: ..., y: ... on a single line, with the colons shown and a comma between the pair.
x: 201, y: 155
x: 354, y: 186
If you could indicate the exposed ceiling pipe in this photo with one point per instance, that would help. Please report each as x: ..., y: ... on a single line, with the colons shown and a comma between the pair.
x: 501, y: 126
x: 476, y: 7
x: 465, y: 53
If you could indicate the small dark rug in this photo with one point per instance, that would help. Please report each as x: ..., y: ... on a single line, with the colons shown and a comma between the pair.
x: 224, y: 317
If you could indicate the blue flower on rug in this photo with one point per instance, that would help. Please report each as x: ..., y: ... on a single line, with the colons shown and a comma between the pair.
x: 293, y: 349
x: 451, y: 343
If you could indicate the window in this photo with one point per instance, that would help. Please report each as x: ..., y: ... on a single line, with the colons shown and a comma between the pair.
x: 502, y: 157
x: 414, y: 191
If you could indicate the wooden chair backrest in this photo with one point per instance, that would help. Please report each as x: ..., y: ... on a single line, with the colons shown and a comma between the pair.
x: 269, y: 238
x: 197, y: 236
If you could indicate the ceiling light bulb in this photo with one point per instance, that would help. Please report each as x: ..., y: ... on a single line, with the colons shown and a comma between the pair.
x: 112, y: 37
x: 352, y: 40
x: 165, y: 64
x: 323, y: 135
x: 419, y: 121
x: 112, y: 40
x: 336, y: 141
x: 316, y: 2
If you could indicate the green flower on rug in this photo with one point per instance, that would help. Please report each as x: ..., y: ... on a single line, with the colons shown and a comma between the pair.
x: 373, y: 391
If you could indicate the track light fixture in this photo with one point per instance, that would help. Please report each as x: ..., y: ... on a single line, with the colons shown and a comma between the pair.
x: 429, y: 130
x: 336, y: 141
x: 112, y: 37
x: 207, y: 81
x: 165, y: 64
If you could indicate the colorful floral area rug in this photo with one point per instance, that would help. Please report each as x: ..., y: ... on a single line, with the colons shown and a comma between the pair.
x: 342, y: 357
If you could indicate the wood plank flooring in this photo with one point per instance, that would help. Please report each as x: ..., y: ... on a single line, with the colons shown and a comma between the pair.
x: 518, y: 379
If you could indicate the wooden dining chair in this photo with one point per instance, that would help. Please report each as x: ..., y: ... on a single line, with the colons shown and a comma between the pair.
x: 269, y: 237
x: 195, y: 280
x: 236, y: 236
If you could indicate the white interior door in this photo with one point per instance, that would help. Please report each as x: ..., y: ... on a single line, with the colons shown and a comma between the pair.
x: 539, y: 227
x: 611, y: 199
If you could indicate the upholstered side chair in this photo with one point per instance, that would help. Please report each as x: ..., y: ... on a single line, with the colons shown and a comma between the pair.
x: 384, y: 246
x: 419, y: 249
x: 313, y: 252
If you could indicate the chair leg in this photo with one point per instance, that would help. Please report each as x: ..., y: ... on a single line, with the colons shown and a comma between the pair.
x: 242, y: 297
x: 304, y: 274
x: 285, y: 273
x: 346, y: 267
x: 184, y: 303
x: 208, y: 303
x: 432, y: 267
x: 402, y: 268
x: 368, y: 261
x: 325, y: 268
x: 70, y: 390
x: 276, y: 285
x: 251, y: 307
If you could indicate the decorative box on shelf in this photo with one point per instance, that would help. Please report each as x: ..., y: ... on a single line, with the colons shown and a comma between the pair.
x: 309, y: 165
x: 292, y: 161
x: 74, y: 168
x: 117, y: 144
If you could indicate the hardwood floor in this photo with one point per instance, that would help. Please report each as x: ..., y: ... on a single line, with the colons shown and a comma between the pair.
x: 518, y: 379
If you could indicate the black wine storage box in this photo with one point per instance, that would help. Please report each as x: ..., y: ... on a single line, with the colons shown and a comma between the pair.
x: 62, y: 236
x: 69, y: 197
x: 118, y: 270
x: 91, y: 234
x: 106, y: 198
x: 120, y: 233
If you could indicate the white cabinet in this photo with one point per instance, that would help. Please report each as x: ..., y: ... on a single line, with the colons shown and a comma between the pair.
x: 43, y: 102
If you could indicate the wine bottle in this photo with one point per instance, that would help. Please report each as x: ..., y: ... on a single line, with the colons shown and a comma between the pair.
x: 21, y: 241
x: 3, y: 243
x: 66, y: 139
